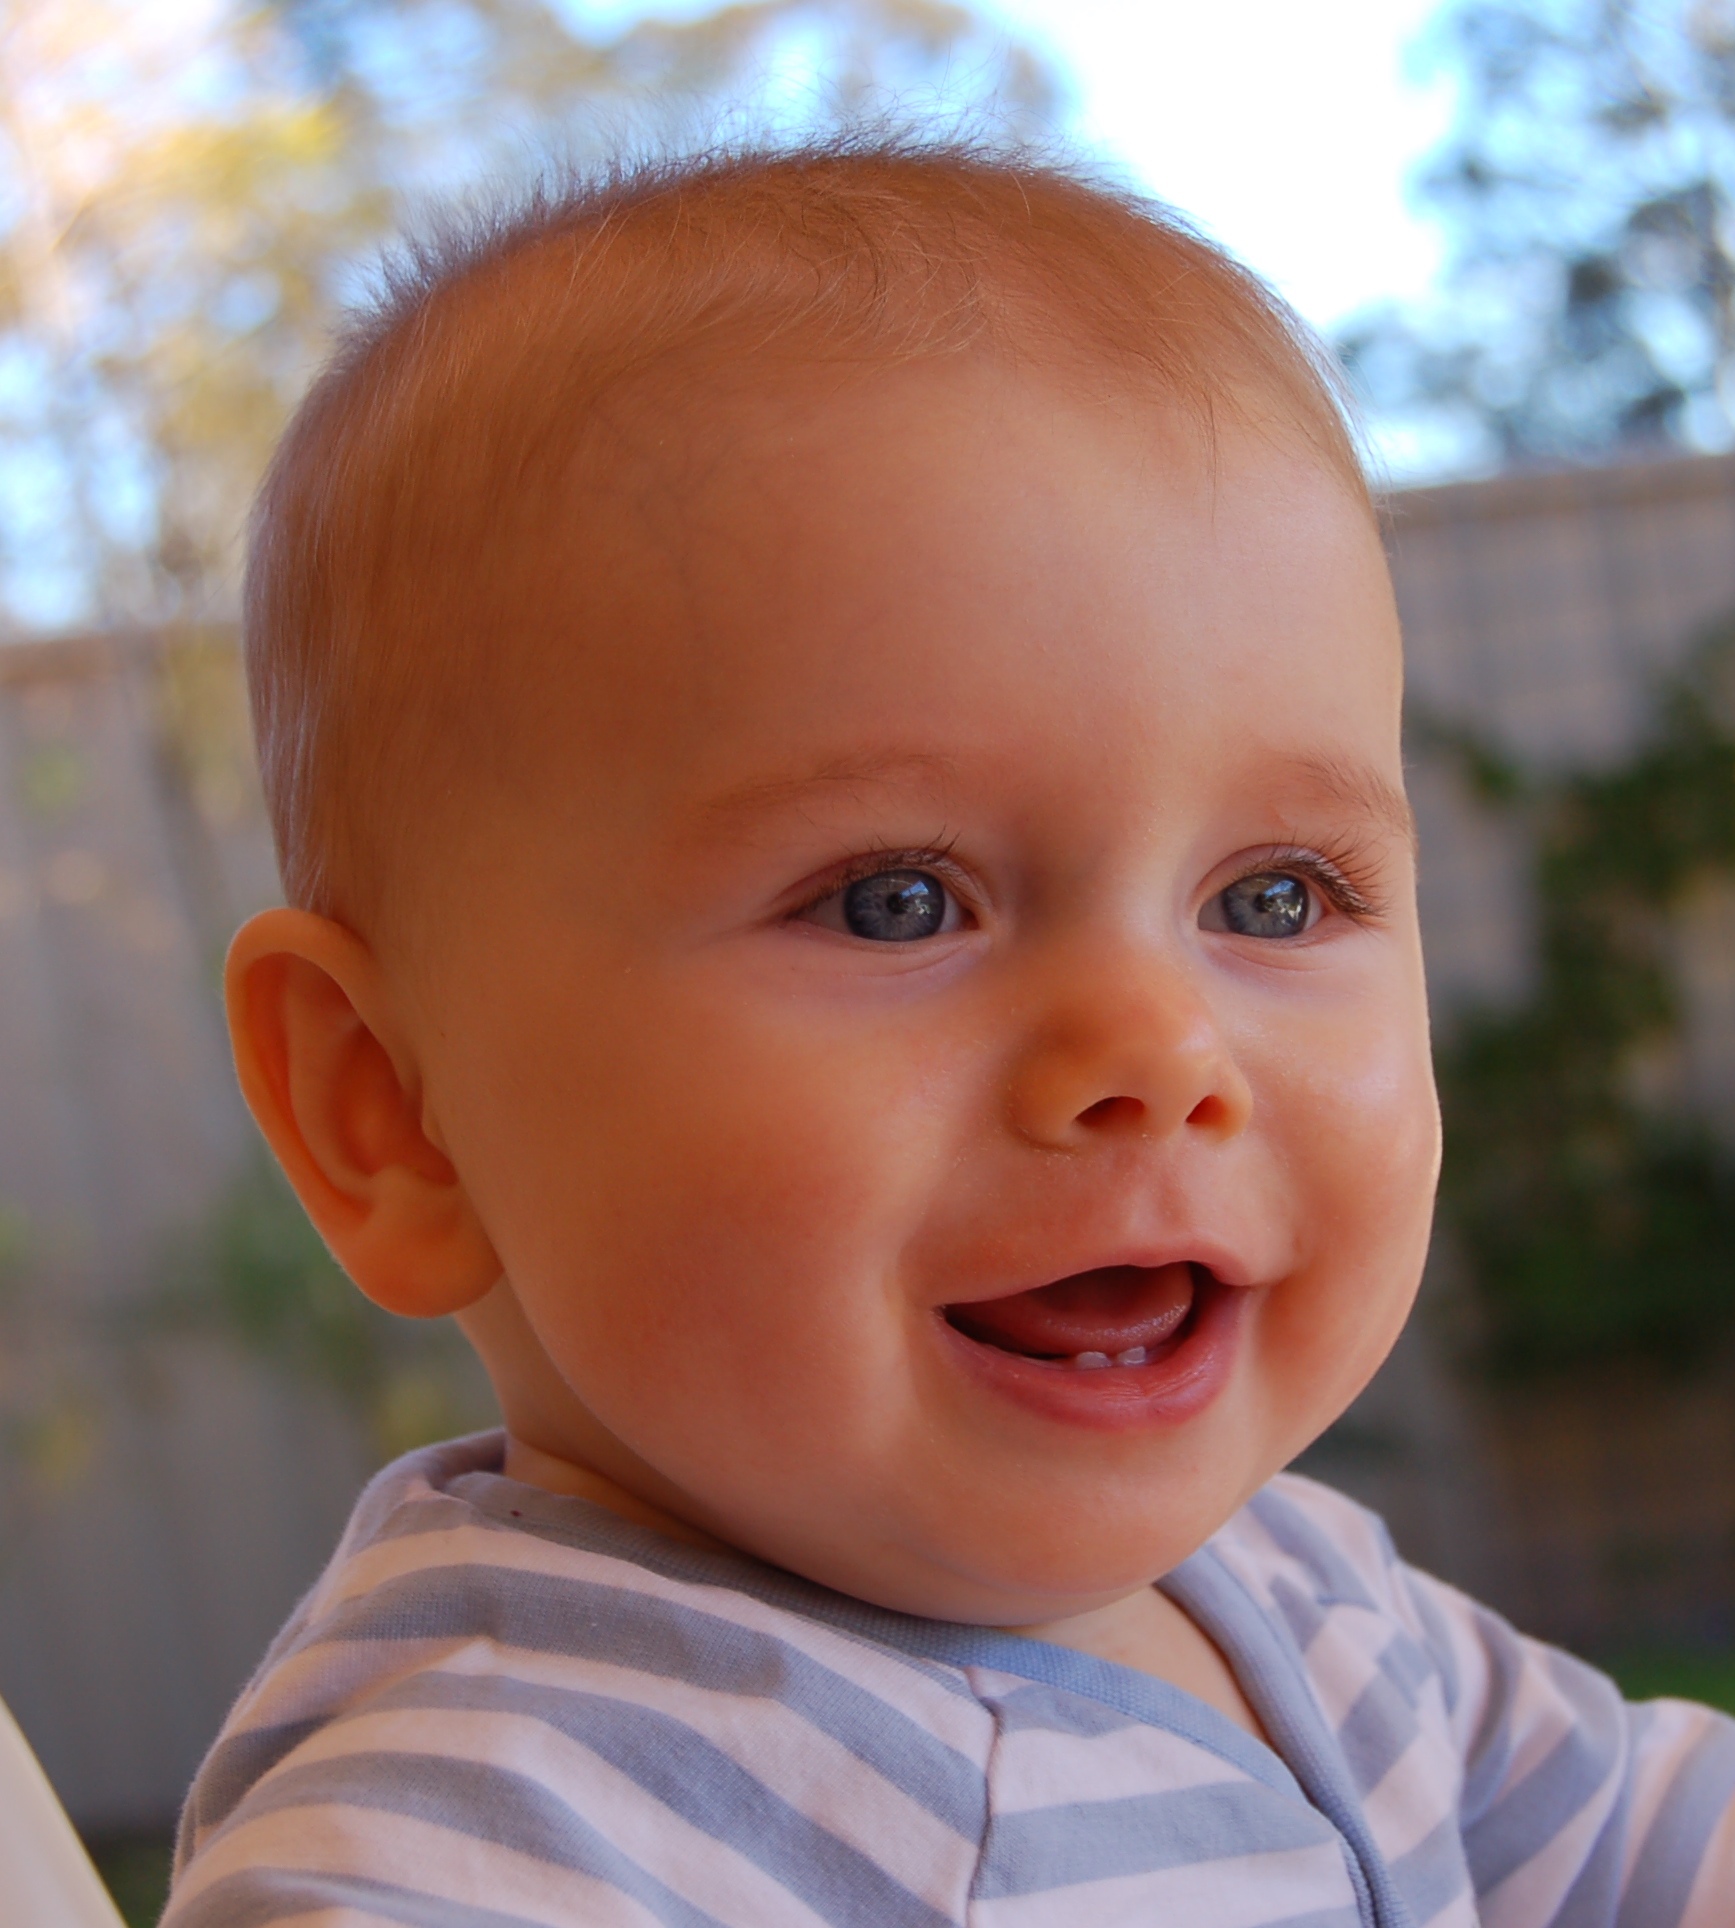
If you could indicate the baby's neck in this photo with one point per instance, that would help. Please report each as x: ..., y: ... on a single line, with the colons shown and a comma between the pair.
x: 555, y: 1475
x: 1145, y: 1630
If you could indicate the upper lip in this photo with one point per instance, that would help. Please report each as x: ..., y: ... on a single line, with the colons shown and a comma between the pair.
x: 1225, y: 1266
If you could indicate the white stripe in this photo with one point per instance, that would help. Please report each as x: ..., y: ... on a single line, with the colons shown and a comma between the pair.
x: 1532, y: 1892
x: 815, y: 1774
x: 337, y: 1918
x: 1710, y: 1903
x: 312, y: 1682
x: 1675, y: 1728
x: 882, y: 1672
x: 1034, y: 1769
x: 704, y: 1870
x: 396, y: 1848
x: 1250, y: 1891
x: 1414, y: 1796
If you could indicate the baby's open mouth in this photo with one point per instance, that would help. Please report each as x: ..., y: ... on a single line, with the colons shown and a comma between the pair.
x: 1117, y: 1315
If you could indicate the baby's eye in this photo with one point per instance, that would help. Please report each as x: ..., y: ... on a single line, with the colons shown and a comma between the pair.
x: 1270, y: 903
x: 890, y: 907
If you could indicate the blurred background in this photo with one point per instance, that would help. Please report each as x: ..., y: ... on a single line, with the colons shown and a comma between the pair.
x: 1514, y: 220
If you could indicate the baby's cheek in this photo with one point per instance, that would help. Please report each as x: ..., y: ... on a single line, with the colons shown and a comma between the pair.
x: 1347, y: 1091
x: 748, y: 1177
x: 1358, y: 1130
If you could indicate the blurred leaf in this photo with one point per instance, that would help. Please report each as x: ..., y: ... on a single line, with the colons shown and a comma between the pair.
x: 255, y: 1271
x: 1599, y: 1217
x: 52, y: 777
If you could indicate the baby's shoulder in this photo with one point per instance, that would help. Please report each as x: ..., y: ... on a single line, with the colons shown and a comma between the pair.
x: 1324, y: 1565
x: 486, y: 1665
x: 1312, y: 1536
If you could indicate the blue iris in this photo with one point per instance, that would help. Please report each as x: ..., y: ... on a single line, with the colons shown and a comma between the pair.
x: 1267, y: 904
x: 895, y: 906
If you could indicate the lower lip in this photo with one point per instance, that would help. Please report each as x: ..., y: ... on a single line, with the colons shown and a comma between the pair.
x: 1166, y: 1392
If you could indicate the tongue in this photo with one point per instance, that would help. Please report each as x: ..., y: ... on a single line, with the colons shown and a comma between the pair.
x: 1107, y: 1310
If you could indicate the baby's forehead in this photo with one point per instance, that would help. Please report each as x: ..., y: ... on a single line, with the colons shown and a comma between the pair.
x: 818, y: 573
x: 481, y: 394
x: 639, y: 320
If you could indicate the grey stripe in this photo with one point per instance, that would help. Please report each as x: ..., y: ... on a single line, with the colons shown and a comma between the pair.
x: 1698, y: 1798
x: 1275, y: 1682
x: 1489, y: 1758
x: 263, y: 1895
x: 385, y: 1496
x: 1528, y: 1816
x: 473, y: 1801
x: 539, y: 1613
x: 1321, y: 1918
x: 433, y: 1513
x: 1591, y: 1900
x: 564, y: 1521
x: 1405, y: 1665
x: 1302, y: 1540
x: 1432, y: 1874
x: 937, y: 1650
x: 1440, y: 1649
x: 695, y: 1779
x: 1060, y: 1847
x: 231, y: 1768
x: 1050, y: 1710
x: 1376, y: 1732
x: 1303, y: 1614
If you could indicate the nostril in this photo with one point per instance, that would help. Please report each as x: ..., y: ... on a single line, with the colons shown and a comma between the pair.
x: 1111, y: 1113
x: 1209, y: 1114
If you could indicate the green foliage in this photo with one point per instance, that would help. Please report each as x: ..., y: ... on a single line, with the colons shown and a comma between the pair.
x: 135, y: 1870
x: 255, y: 1271
x: 259, y: 1268
x: 1677, y: 1674
x: 1598, y: 1221
x: 53, y: 779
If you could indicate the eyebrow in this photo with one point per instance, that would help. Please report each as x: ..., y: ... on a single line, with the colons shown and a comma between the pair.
x: 1353, y: 786
x: 1359, y: 787
x: 759, y: 799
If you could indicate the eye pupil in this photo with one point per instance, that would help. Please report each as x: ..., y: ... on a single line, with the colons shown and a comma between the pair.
x: 895, y: 906
x: 1271, y: 904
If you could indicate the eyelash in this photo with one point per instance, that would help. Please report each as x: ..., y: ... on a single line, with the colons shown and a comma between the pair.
x: 1330, y: 872
x: 936, y: 857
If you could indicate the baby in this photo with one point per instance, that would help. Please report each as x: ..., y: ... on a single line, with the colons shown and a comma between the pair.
x: 832, y: 722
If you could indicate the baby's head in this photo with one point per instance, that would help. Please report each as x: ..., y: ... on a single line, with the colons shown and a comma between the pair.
x: 832, y: 723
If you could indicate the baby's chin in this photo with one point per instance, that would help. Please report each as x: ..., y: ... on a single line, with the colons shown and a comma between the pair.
x: 1052, y: 1577
x: 1001, y: 1549
x: 925, y: 1485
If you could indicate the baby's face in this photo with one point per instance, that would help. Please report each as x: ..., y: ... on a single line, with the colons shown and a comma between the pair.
x: 933, y: 1023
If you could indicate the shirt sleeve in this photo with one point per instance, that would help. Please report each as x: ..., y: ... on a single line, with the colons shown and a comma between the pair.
x: 1578, y: 1809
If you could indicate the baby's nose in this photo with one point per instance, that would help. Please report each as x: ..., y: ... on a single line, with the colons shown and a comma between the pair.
x: 1142, y: 1058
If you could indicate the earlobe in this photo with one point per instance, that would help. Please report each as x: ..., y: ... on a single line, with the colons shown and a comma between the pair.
x: 331, y: 1077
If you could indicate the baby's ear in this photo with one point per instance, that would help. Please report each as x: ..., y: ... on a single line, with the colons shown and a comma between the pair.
x: 330, y: 1075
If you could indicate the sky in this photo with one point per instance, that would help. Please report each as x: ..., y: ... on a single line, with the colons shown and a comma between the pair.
x: 1286, y: 128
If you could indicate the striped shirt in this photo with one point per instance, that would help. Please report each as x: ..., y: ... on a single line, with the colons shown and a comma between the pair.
x: 501, y: 1707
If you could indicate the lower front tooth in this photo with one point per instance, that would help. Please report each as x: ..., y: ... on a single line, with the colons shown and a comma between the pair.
x: 1089, y: 1361
x: 1133, y: 1356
